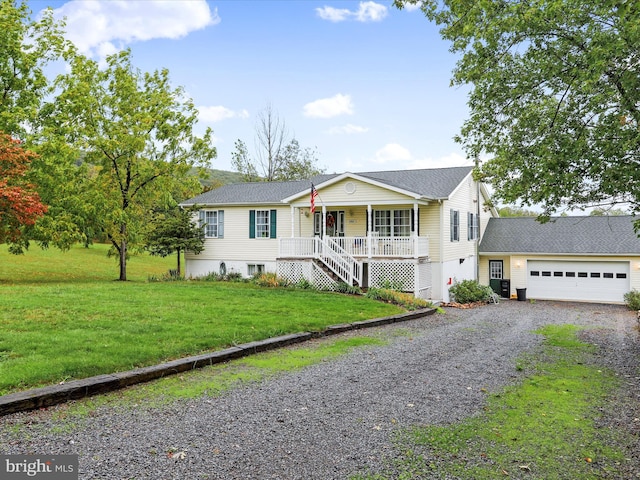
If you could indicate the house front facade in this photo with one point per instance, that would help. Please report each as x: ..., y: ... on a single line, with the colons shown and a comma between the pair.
x: 413, y: 230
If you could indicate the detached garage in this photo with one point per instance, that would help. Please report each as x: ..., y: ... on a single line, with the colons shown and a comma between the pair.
x: 593, y: 259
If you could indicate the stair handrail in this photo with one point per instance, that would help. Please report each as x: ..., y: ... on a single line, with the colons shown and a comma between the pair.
x: 340, y: 262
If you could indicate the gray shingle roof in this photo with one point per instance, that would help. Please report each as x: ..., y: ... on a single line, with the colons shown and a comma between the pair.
x: 604, y: 235
x: 431, y: 183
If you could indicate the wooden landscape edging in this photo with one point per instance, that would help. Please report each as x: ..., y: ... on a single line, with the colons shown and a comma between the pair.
x: 77, y: 389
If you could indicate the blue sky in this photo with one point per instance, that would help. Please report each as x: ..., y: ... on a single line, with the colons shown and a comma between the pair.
x: 364, y: 83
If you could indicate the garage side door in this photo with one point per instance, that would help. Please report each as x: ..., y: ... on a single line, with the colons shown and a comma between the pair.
x: 582, y: 281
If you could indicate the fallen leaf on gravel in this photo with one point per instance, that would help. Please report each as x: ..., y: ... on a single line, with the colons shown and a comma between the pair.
x: 588, y: 460
x: 377, y: 427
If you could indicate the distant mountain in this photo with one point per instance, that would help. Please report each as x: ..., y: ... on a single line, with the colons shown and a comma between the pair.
x: 217, y: 178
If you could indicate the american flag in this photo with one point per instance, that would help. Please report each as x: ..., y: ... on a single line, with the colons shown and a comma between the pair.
x: 314, y: 194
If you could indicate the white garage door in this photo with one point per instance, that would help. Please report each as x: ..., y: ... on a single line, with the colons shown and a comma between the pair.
x: 590, y: 281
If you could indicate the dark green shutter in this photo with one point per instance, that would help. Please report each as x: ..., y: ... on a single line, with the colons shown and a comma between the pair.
x: 220, y: 223
x: 272, y: 224
x: 252, y: 224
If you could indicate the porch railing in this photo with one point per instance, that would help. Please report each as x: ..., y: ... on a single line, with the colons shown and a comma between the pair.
x: 329, y: 252
x: 407, y: 247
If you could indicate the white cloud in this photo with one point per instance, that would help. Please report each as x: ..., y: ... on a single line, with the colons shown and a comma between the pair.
x: 401, y: 158
x: 392, y: 152
x: 347, y: 129
x: 329, y: 107
x: 453, y: 159
x: 371, y: 12
x: 333, y: 14
x: 218, y: 113
x: 367, y: 12
x: 96, y: 27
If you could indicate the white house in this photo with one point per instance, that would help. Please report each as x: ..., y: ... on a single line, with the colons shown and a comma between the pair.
x: 417, y: 230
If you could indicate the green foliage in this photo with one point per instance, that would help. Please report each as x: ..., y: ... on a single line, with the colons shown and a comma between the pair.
x: 27, y: 46
x: 175, y: 231
x: 305, y: 284
x: 469, y: 291
x: 343, y: 287
x: 555, y: 97
x: 405, y: 300
x: 509, y: 211
x: 170, y: 276
x: 221, y: 277
x: 632, y: 299
x: 269, y: 279
x: 137, y: 134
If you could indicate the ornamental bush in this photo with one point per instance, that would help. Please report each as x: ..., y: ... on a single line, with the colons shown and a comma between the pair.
x: 469, y: 291
x: 632, y: 299
x: 405, y: 300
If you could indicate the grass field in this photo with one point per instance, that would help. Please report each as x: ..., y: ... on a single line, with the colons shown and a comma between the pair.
x: 62, y: 315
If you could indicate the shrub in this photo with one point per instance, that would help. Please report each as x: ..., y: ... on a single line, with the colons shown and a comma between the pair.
x: 632, y: 299
x: 170, y: 276
x: 227, y: 277
x: 405, y: 300
x: 305, y: 284
x: 267, y: 279
x: 469, y: 291
x: 344, y: 287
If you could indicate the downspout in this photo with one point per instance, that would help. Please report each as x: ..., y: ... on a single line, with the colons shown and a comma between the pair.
x: 442, y: 282
x: 479, y: 224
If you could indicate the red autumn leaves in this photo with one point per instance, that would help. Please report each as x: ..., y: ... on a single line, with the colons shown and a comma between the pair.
x: 19, y: 202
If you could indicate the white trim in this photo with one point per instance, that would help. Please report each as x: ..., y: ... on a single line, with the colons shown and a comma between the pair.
x: 354, y: 176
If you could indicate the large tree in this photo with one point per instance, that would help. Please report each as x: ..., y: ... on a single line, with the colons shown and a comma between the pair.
x: 20, y: 204
x: 135, y: 134
x: 555, y: 98
x: 277, y: 155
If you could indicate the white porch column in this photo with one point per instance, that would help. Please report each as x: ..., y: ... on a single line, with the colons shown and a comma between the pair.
x: 416, y: 217
x: 293, y: 221
x: 324, y: 221
x: 369, y: 224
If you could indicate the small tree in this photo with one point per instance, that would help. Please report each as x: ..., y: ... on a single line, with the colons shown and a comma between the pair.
x: 175, y: 231
x: 20, y: 204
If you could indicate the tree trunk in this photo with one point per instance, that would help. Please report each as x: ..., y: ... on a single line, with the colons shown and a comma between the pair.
x: 123, y: 253
x: 178, y: 262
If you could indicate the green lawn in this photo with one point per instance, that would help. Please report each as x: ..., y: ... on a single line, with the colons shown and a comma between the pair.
x: 62, y: 315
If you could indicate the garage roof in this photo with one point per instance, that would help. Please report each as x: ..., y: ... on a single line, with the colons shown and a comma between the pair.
x: 598, y: 235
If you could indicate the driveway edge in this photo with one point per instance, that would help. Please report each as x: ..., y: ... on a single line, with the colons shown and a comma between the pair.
x: 76, y: 389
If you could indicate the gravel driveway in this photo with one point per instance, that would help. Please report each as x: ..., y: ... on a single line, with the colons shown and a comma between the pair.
x: 335, y: 418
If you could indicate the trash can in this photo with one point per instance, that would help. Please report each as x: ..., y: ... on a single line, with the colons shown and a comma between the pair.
x: 522, y: 294
x: 505, y: 288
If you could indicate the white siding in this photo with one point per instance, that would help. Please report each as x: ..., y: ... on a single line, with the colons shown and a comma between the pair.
x: 236, y: 244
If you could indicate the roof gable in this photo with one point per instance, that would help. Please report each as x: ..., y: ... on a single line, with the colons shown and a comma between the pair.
x: 605, y: 235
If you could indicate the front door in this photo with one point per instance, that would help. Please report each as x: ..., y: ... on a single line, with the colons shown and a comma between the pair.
x: 334, y: 223
x: 495, y: 274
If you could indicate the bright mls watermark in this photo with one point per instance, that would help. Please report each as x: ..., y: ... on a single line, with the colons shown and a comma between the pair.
x: 46, y: 467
